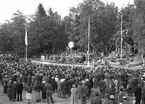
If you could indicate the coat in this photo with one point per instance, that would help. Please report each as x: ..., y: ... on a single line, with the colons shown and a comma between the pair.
x: 83, y: 93
x: 9, y: 90
x: 19, y: 87
x: 43, y: 91
x: 102, y: 85
x: 48, y: 89
x: 138, y: 93
x: 14, y: 89
x: 110, y: 90
x: 96, y: 101
x: 74, y: 96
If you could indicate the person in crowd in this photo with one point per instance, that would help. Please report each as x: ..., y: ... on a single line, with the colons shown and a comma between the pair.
x: 29, y: 92
x: 14, y: 89
x: 43, y: 91
x: 110, y: 90
x: 54, y: 84
x: 83, y: 93
x: 58, y: 88
x: 96, y: 100
x: 138, y: 94
x: 9, y: 90
x: 48, y: 89
x: 121, y: 94
x: 19, y: 90
x: 102, y: 87
x: 37, y: 88
x: 143, y: 95
x: 74, y: 95
x: 5, y: 83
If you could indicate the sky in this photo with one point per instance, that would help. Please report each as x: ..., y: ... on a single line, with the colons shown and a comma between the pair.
x: 28, y: 7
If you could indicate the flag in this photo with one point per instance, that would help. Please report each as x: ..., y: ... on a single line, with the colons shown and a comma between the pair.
x: 26, y: 38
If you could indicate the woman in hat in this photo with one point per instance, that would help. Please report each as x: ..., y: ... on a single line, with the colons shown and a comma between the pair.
x: 74, y: 95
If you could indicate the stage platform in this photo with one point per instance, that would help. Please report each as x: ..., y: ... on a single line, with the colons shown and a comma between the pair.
x: 49, y: 62
x: 112, y: 64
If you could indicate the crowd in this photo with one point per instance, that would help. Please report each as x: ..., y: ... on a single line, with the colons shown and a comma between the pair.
x: 75, y: 57
x: 104, y: 85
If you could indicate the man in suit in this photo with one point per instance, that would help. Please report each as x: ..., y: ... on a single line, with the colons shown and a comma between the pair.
x: 19, y: 90
x: 48, y: 89
x: 96, y: 100
x: 83, y: 93
x: 138, y: 94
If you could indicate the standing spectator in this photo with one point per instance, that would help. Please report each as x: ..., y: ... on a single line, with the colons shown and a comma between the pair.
x: 143, y: 95
x: 43, y: 91
x: 120, y: 96
x: 48, y: 89
x: 54, y: 84
x: 102, y: 86
x: 74, y: 95
x: 37, y: 88
x: 96, y: 100
x: 83, y: 93
x: 14, y: 88
x: 110, y: 90
x: 9, y: 91
x: 19, y: 90
x: 138, y: 93
x: 58, y: 88
x: 5, y: 82
x: 29, y: 93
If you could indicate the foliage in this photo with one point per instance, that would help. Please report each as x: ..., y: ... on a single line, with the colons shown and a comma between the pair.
x: 49, y: 33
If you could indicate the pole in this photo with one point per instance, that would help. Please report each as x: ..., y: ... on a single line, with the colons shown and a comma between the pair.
x: 26, y: 55
x: 26, y: 43
x: 88, y: 64
x: 121, y: 36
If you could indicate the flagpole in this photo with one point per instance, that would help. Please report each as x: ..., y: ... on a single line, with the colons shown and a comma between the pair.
x: 26, y: 55
x: 26, y: 43
x: 121, y: 35
x: 88, y: 53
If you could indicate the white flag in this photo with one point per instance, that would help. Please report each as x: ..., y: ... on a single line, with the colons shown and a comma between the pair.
x: 26, y: 38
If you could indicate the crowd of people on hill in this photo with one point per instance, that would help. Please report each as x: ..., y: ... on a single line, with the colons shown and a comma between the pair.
x: 104, y: 85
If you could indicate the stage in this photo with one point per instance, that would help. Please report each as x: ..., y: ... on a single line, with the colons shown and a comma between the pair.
x: 50, y: 62
x: 112, y: 64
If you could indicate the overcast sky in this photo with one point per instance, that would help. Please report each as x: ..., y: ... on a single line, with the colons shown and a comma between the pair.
x: 8, y: 7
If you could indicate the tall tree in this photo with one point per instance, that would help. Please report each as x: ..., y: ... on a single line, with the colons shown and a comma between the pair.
x: 39, y: 31
x: 139, y: 24
x: 5, y: 37
x: 18, y: 28
x: 103, y: 20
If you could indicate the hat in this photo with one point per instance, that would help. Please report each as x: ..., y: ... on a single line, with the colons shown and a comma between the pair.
x: 73, y: 86
x: 111, y: 96
x: 124, y: 97
x: 87, y: 79
x: 56, y: 79
x: 83, y: 82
